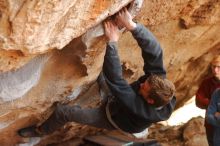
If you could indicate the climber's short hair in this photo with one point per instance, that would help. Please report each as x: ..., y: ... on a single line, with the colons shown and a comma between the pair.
x: 162, y: 90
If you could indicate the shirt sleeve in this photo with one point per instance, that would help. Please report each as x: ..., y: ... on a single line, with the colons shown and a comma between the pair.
x: 113, y: 73
x: 112, y: 67
x: 202, y: 100
x: 151, y: 51
x: 212, y: 109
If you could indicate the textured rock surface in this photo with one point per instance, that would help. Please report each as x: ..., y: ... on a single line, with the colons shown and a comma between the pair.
x: 39, y: 26
x: 190, y: 134
x: 194, y: 133
x: 188, y: 31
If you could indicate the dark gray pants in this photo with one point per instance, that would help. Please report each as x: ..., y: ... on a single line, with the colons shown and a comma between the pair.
x: 89, y: 116
x: 210, y: 135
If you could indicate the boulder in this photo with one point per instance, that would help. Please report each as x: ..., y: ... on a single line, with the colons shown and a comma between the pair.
x: 53, y: 51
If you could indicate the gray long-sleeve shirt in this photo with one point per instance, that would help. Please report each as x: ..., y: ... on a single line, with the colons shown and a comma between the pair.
x: 128, y: 109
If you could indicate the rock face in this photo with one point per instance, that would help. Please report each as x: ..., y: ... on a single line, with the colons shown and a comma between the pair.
x: 51, y: 49
x: 194, y: 133
x: 35, y: 27
x: 190, y: 134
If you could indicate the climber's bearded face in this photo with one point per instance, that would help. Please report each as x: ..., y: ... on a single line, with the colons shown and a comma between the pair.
x: 215, y: 66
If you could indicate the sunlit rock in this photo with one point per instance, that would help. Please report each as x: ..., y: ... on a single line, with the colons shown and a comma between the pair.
x: 71, y: 34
